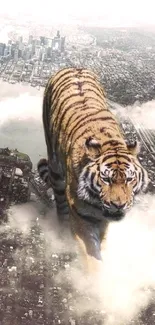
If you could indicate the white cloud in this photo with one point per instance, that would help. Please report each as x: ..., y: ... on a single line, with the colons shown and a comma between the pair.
x: 21, y: 123
x: 141, y: 115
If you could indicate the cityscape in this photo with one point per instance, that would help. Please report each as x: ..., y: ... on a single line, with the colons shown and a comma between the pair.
x: 31, y: 61
x: 41, y: 280
x: 124, y: 59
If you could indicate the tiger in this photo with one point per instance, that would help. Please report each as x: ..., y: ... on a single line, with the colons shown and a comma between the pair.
x: 94, y: 172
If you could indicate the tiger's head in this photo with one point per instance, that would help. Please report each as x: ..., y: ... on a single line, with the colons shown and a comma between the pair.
x: 111, y: 180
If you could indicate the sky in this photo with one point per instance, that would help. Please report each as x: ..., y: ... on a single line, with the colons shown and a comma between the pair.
x: 97, y: 12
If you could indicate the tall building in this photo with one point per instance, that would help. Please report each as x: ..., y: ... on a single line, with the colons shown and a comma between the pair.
x: 6, y: 51
x: 62, y: 44
x: 20, y: 39
x: 27, y: 55
x: 20, y: 45
x: 16, y: 55
x: 13, y: 47
x: 2, y: 48
x: 43, y: 56
x: 43, y: 40
x: 37, y: 42
x: 58, y: 34
x: 30, y: 39
x: 48, y: 52
x: 9, y: 49
x: 58, y: 42
x: 38, y: 52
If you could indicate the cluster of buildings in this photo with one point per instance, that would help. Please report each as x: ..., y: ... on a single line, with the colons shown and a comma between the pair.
x: 41, y: 49
x: 125, y: 61
x: 32, y: 61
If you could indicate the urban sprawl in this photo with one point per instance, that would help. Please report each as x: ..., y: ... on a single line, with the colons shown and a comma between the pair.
x: 124, y: 60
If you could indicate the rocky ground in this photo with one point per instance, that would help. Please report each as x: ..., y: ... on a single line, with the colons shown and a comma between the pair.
x: 31, y: 289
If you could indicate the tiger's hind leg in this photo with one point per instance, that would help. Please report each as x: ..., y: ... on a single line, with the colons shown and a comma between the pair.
x: 52, y: 175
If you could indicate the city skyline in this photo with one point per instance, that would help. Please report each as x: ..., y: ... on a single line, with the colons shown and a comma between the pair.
x: 23, y: 61
x: 123, y: 58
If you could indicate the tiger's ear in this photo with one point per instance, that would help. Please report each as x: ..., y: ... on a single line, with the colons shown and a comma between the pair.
x: 93, y: 147
x: 133, y: 147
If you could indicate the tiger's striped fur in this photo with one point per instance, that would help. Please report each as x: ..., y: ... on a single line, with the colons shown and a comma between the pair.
x: 93, y: 172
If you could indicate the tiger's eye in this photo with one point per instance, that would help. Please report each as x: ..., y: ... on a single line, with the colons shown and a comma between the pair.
x: 129, y: 179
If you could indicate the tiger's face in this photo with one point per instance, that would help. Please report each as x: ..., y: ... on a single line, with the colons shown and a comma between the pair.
x: 118, y: 182
x: 111, y: 181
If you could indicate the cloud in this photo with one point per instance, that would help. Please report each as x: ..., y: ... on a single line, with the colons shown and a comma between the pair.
x: 20, y: 108
x: 21, y: 124
x: 141, y: 115
x: 125, y: 284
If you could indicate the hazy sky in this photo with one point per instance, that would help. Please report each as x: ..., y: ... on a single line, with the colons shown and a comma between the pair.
x: 112, y: 12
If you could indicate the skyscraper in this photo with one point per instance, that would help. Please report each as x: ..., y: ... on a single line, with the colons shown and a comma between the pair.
x: 2, y: 48
x: 16, y: 55
x: 62, y: 44
x: 58, y: 42
x: 30, y: 39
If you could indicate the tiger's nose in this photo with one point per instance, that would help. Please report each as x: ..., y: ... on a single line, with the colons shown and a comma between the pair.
x: 114, y: 207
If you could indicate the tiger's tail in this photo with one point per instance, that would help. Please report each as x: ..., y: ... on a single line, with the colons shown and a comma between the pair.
x: 43, y: 170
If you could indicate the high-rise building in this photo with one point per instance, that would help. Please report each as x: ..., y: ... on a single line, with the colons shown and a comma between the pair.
x: 37, y: 42
x: 13, y: 47
x: 2, y: 48
x: 6, y: 51
x: 16, y: 55
x: 58, y: 34
x: 43, y: 56
x: 27, y: 55
x: 58, y: 43
x: 48, y: 52
x: 62, y: 44
x: 9, y: 49
x: 20, y: 44
x: 38, y: 52
x: 30, y: 39
x: 43, y: 40
x: 20, y: 39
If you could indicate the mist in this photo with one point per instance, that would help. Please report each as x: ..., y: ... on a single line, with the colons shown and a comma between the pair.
x: 21, y: 122
x: 143, y: 115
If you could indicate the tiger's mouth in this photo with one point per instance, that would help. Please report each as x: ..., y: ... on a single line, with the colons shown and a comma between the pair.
x: 113, y: 216
x: 114, y: 212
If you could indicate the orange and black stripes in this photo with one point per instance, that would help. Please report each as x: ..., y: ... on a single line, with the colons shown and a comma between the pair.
x: 94, y: 173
